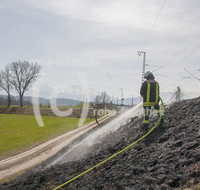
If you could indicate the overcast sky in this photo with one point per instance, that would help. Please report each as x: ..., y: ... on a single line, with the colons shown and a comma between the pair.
x: 101, y: 39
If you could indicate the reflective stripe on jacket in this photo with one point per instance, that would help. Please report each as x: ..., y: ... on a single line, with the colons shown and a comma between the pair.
x: 150, y: 92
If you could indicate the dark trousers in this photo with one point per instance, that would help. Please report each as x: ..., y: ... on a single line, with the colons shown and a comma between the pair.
x: 146, y: 116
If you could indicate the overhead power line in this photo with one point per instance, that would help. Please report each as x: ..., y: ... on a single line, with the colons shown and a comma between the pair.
x: 131, y: 72
x: 173, y: 84
x: 177, y: 74
x: 192, y: 74
x: 153, y: 25
x: 182, y: 60
x: 181, y: 51
x: 193, y: 64
x: 146, y: 41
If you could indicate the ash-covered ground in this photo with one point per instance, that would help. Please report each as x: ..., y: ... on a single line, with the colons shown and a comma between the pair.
x: 169, y: 158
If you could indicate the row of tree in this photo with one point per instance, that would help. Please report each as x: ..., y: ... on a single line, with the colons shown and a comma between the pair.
x: 21, y: 75
x: 4, y: 101
x: 18, y: 76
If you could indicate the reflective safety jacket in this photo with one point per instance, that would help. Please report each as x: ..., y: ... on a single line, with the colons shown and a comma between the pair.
x: 150, y: 92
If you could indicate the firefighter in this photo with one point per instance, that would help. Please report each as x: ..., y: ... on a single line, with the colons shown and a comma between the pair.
x: 178, y: 94
x: 150, y: 93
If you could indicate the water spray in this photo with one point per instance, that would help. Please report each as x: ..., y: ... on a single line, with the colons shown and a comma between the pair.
x: 115, y: 153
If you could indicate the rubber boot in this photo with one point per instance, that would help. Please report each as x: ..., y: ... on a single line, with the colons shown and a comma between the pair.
x: 145, y: 127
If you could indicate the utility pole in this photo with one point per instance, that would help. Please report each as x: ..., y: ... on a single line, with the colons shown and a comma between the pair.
x: 117, y: 100
x: 113, y: 98
x: 121, y: 95
x: 117, y: 104
x: 132, y: 100
x: 143, y: 68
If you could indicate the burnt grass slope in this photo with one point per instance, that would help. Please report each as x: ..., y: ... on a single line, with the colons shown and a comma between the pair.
x: 169, y: 158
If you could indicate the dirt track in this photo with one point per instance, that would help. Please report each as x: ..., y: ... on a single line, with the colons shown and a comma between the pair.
x: 13, y: 165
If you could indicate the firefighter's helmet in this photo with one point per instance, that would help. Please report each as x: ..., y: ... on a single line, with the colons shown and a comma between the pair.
x: 147, y: 74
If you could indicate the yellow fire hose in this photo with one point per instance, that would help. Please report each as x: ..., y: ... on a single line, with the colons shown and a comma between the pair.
x: 117, y: 152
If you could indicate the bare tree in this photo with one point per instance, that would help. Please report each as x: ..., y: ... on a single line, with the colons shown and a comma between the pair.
x: 5, y: 82
x: 97, y: 99
x: 103, y: 98
x: 99, y: 102
x: 23, y: 75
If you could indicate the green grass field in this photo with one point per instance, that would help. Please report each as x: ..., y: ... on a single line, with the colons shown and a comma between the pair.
x: 18, y: 132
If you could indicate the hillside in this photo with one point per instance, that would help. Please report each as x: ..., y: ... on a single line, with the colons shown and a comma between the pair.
x: 44, y: 101
x: 168, y: 159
